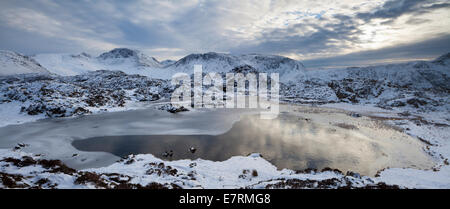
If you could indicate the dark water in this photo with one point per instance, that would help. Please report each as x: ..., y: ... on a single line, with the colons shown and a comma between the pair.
x: 287, y: 142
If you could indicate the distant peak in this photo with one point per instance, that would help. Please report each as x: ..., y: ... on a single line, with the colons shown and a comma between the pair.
x: 119, y: 53
x: 85, y: 54
x: 82, y: 55
x: 442, y: 59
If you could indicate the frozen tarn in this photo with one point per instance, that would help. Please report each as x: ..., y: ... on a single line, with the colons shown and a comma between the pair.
x: 436, y: 132
x: 236, y: 172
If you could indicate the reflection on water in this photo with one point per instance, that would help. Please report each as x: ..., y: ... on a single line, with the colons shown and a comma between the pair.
x: 287, y: 142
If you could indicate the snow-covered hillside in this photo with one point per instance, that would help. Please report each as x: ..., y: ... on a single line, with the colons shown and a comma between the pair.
x: 67, y: 64
x: 15, y: 63
x: 219, y: 62
x: 125, y: 60
x: 416, y: 84
x: 63, y: 96
x: 316, y: 85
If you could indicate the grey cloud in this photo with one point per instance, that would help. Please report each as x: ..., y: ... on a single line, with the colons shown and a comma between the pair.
x: 417, y: 21
x: 345, y: 29
x: 193, y: 29
x: 323, y: 39
x: 32, y: 43
x: 199, y: 28
x: 428, y: 48
x: 396, y: 8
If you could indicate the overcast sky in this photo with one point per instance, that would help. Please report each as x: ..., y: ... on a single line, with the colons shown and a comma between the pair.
x: 320, y: 32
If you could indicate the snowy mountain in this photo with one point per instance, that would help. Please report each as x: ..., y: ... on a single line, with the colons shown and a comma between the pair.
x: 135, y: 62
x: 15, y: 63
x: 416, y: 84
x: 121, y: 59
x: 128, y: 56
x: 219, y: 62
x: 423, y: 84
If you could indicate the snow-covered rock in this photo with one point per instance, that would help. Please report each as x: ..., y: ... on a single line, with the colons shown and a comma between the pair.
x: 172, y: 109
x: 14, y: 63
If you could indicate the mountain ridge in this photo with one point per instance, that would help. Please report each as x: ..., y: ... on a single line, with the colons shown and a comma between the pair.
x: 135, y: 62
